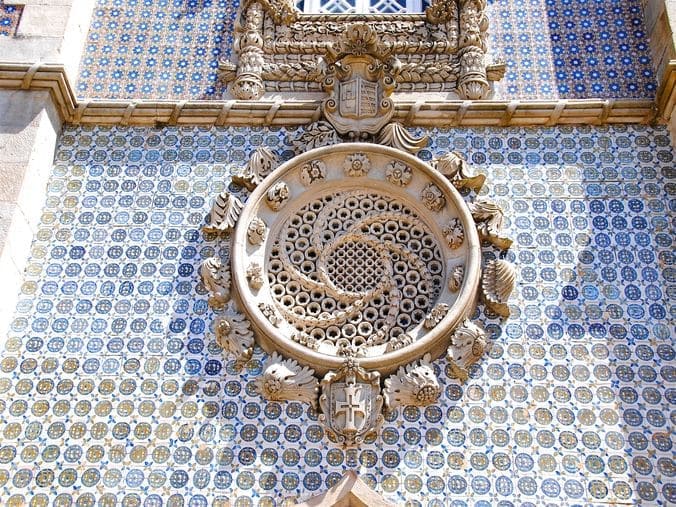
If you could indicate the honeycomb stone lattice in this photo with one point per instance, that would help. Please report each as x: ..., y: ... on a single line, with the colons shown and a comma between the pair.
x: 354, y: 263
x: 355, y: 268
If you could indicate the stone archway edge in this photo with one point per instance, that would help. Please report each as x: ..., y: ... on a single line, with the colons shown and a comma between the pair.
x: 438, y: 113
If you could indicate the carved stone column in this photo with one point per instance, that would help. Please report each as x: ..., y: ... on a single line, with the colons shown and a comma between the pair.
x: 248, y: 84
x: 472, y: 83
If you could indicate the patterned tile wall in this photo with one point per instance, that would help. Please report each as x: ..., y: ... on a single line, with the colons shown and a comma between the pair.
x: 115, y: 393
x: 9, y: 19
x: 553, y: 48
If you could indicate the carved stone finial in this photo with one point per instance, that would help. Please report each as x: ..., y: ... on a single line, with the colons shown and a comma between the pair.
x: 285, y: 379
x: 497, y: 283
x: 234, y: 335
x: 414, y: 384
x: 468, y: 344
x: 489, y: 217
x: 224, y: 213
x: 351, y: 403
x: 216, y: 279
x: 456, y: 169
x: 262, y: 162
x: 396, y: 136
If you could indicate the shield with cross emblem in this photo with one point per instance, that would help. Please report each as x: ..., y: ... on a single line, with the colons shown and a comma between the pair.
x: 351, y: 403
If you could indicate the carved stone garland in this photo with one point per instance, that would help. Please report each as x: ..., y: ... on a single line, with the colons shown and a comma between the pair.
x: 280, y: 49
x: 357, y: 262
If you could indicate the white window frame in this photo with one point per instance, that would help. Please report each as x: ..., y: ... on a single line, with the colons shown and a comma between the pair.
x: 361, y: 7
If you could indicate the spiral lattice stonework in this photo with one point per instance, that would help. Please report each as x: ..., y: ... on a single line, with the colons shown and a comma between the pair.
x: 357, y: 262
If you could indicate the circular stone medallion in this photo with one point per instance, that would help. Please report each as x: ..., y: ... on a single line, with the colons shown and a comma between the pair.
x: 356, y: 249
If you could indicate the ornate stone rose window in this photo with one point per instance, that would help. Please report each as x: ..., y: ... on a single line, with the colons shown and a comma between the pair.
x: 356, y: 250
x: 356, y: 261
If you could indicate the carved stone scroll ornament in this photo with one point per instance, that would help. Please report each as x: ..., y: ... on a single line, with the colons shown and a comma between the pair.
x: 234, y: 334
x: 285, y: 379
x: 216, y: 279
x: 224, y: 213
x: 414, y: 384
x: 262, y: 162
x: 351, y: 403
x: 468, y: 344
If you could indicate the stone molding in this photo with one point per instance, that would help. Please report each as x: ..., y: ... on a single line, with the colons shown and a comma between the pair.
x: 432, y: 113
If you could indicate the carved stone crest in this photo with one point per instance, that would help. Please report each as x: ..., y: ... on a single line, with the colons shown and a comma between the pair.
x: 351, y: 403
x: 359, y: 78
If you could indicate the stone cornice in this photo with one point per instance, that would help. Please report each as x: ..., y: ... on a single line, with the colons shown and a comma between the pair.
x: 455, y: 113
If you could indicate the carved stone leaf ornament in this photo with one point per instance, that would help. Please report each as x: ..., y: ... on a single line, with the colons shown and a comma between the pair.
x: 224, y: 213
x: 262, y: 162
x: 489, y: 217
x: 468, y: 344
x: 316, y: 135
x: 372, y: 267
x: 456, y: 169
x: 234, y: 334
x: 497, y: 283
x: 285, y: 379
x: 216, y: 279
x: 414, y: 384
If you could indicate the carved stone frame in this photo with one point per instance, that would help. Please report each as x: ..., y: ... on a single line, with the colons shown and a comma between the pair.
x: 435, y: 341
x: 279, y: 49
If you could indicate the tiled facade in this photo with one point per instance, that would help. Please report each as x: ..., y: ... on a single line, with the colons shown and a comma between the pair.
x: 115, y: 393
x: 553, y: 49
x: 9, y: 19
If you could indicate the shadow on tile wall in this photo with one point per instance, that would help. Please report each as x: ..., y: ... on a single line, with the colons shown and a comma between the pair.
x: 114, y: 389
